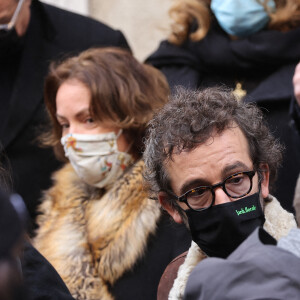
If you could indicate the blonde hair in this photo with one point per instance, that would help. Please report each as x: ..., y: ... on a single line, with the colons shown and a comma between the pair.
x: 185, y: 13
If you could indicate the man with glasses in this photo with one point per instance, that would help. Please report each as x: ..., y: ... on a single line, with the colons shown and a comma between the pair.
x: 31, y: 35
x: 210, y: 161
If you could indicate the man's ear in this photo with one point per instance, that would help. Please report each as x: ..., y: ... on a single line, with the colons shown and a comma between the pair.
x: 163, y: 200
x: 265, y: 179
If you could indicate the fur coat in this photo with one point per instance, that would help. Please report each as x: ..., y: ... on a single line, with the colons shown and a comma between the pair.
x: 278, y: 223
x: 92, y: 238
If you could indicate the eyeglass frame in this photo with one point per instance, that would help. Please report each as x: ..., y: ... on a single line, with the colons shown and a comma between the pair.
x: 8, y: 26
x: 183, y: 197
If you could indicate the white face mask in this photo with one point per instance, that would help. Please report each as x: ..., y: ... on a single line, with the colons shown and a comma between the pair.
x: 95, y: 157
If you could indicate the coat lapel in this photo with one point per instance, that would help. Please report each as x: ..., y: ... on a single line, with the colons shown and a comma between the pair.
x: 27, y: 94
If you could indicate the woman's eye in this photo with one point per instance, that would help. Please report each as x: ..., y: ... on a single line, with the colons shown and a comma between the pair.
x: 64, y: 126
x: 89, y: 120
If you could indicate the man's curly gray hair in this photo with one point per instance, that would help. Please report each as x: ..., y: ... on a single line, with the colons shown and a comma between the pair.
x: 189, y: 119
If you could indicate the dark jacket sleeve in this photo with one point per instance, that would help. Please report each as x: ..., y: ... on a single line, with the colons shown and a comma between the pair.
x: 40, y: 278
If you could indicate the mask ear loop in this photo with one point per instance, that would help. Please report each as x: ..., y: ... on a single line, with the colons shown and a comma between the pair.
x: 260, y: 179
x: 118, y: 135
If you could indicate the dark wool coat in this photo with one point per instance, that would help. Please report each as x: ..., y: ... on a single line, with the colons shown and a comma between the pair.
x: 263, y: 64
x: 41, y: 280
x: 52, y: 33
x: 111, y: 245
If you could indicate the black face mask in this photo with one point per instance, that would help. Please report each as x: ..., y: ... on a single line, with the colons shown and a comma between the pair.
x: 220, y: 229
x: 10, y: 43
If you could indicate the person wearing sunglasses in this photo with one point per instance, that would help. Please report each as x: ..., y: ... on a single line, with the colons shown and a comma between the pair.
x: 32, y: 34
x: 213, y: 170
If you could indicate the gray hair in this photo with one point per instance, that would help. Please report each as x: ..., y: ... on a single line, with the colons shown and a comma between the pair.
x: 189, y: 119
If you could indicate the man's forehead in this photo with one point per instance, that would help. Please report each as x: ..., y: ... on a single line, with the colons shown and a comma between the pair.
x: 231, y: 134
x: 210, y: 161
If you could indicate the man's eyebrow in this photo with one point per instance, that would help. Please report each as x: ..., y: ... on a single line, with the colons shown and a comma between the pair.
x: 237, y: 166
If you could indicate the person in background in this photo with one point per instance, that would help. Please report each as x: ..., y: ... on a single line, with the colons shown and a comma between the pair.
x: 213, y: 171
x: 31, y: 35
x: 24, y: 273
x: 98, y: 227
x: 11, y: 240
x: 249, y: 45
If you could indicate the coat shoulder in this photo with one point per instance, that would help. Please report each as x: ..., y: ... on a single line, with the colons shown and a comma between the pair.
x: 72, y: 28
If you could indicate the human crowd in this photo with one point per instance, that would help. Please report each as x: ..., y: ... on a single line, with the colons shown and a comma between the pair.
x: 173, y: 178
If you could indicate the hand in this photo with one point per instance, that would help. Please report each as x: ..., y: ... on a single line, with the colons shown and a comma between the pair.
x: 296, y: 82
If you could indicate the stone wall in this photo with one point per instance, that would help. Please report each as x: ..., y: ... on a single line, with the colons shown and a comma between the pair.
x: 144, y: 22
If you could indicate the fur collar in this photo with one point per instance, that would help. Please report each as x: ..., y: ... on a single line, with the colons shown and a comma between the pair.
x: 278, y: 223
x: 91, y: 237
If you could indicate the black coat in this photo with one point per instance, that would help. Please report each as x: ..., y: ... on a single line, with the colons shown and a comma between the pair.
x: 169, y: 241
x: 52, y: 33
x: 264, y: 64
x: 41, y: 281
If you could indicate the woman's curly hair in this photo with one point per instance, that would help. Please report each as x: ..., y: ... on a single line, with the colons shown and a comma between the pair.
x: 185, y: 13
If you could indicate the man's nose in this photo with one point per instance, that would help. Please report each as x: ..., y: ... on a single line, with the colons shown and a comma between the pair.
x: 220, y: 196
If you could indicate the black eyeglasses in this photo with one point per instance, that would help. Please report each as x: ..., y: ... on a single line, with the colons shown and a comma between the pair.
x: 12, y: 22
x: 235, y: 186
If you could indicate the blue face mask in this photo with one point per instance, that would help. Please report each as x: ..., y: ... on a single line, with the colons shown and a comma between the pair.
x: 241, y: 18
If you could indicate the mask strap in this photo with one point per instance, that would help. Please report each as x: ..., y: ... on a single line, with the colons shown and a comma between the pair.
x: 118, y: 135
x: 128, y: 148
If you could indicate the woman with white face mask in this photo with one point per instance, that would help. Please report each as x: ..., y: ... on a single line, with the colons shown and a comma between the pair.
x: 97, y: 226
